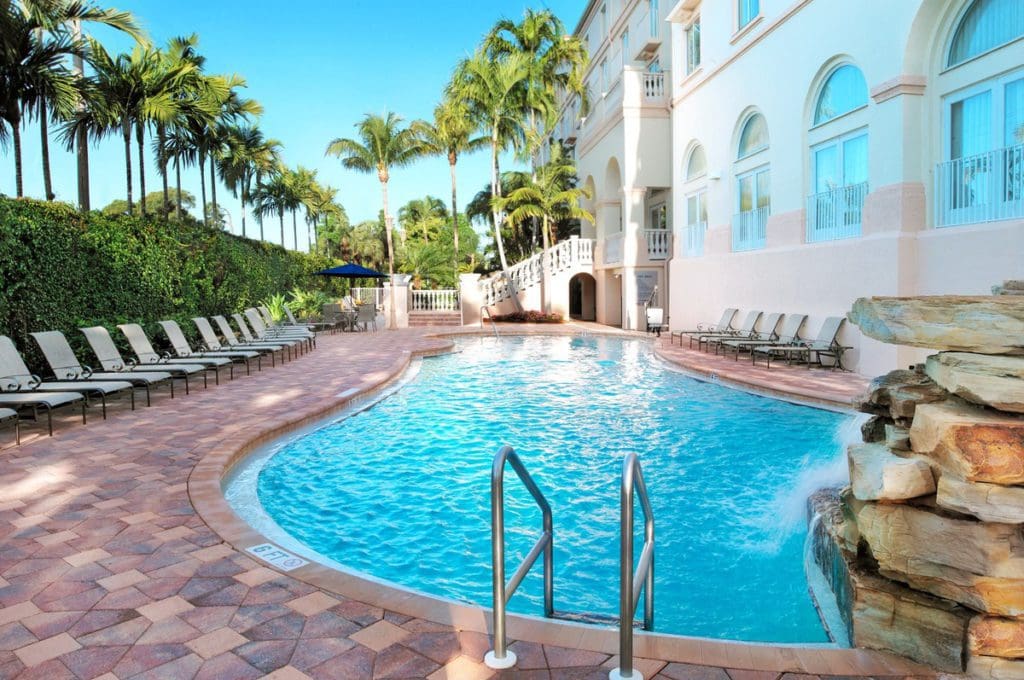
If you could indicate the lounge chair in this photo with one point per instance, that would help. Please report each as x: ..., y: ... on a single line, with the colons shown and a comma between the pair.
x: 184, y: 350
x: 293, y: 323
x: 40, y: 401
x: 724, y: 324
x: 269, y: 348
x: 768, y: 334
x: 274, y: 328
x: 143, y: 349
x: 288, y: 343
x: 8, y: 416
x: 16, y: 377
x: 744, y: 332
x: 212, y: 343
x: 65, y: 366
x: 825, y: 344
x: 111, y: 360
x: 302, y: 340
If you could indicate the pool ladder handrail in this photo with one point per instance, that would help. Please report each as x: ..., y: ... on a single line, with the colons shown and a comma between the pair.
x: 632, y: 584
x: 501, y: 657
x: 494, y: 326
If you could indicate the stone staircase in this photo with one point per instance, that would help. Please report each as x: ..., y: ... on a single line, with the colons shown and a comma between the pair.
x: 434, y: 318
x: 572, y: 254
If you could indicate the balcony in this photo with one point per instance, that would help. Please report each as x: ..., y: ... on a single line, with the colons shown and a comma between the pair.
x: 659, y: 243
x: 695, y: 239
x: 982, y: 188
x: 836, y: 214
x: 653, y: 87
x: 749, y: 229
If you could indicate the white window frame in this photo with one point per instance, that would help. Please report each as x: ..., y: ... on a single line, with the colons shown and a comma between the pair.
x: 624, y: 39
x: 692, y: 66
x: 951, y: 36
x: 997, y: 86
x: 653, y: 10
x: 837, y: 141
x: 604, y: 21
x: 651, y: 210
x: 753, y: 172
x: 740, y: 24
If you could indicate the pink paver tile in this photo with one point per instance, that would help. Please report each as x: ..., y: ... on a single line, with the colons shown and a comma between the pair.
x: 29, y: 521
x: 122, y: 580
x: 216, y: 642
x: 257, y: 576
x: 18, y: 611
x: 87, y: 556
x: 173, y: 534
x: 138, y: 517
x: 161, y: 609
x: 213, y: 553
x: 59, y: 537
x: 562, y: 657
x: 314, y: 603
x: 44, y: 650
x: 380, y: 635
x: 287, y: 673
x: 463, y: 668
x: 112, y: 503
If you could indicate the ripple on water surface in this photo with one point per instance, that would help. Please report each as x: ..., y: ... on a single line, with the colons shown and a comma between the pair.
x: 400, y: 490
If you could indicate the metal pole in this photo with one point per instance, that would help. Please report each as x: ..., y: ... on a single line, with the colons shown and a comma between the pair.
x: 500, y: 657
x: 625, y: 669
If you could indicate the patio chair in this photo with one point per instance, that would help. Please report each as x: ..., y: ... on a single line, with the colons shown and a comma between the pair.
x: 143, y: 349
x: 111, y: 360
x: 274, y: 328
x: 16, y: 377
x: 290, y: 343
x: 65, y: 366
x: 724, y: 324
x: 268, y: 347
x: 745, y: 331
x: 302, y: 341
x: 366, y: 315
x: 212, y: 343
x: 655, y: 317
x: 768, y: 334
x: 183, y: 350
x: 40, y: 401
x: 8, y: 416
x: 334, y: 317
x: 825, y: 344
x: 292, y: 322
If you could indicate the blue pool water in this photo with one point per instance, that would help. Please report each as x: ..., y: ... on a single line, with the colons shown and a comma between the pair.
x: 400, y: 490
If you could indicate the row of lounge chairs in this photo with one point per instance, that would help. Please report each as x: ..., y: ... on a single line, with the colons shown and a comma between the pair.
x: 76, y: 385
x: 766, y: 337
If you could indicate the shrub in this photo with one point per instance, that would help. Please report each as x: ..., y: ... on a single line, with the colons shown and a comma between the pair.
x: 62, y: 269
x: 530, y: 316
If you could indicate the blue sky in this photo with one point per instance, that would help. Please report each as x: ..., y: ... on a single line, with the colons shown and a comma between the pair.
x: 317, y: 67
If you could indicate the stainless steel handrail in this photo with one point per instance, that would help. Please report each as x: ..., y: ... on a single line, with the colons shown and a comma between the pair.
x: 486, y: 308
x: 632, y: 584
x: 501, y: 656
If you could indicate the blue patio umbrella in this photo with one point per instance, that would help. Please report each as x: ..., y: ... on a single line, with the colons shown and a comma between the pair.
x: 352, y: 271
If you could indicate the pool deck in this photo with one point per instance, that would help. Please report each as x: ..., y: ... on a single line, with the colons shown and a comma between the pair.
x: 119, y: 557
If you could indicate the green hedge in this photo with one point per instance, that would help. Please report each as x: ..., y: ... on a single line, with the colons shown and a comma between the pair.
x: 61, y: 270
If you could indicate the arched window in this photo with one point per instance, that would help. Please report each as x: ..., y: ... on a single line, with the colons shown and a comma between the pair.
x: 986, y: 25
x: 754, y: 136
x: 844, y: 90
x: 697, y: 164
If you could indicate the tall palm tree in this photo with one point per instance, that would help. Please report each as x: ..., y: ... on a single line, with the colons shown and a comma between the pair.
x: 419, y: 212
x: 60, y: 21
x: 451, y: 134
x: 382, y: 144
x: 274, y: 195
x: 300, y: 185
x: 32, y: 72
x: 319, y: 204
x: 550, y: 196
x: 248, y: 157
x: 494, y: 89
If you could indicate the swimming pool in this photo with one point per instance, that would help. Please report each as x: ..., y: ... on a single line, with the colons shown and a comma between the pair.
x: 400, y: 490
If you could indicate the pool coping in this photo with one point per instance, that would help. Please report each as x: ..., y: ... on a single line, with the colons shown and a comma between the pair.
x: 207, y: 497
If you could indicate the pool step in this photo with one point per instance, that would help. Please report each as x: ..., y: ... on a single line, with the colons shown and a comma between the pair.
x: 594, y: 619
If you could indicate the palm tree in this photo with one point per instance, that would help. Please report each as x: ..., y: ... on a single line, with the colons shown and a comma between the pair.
x: 248, y: 157
x: 451, y: 134
x: 300, y: 185
x: 494, y: 89
x: 32, y: 72
x: 382, y: 144
x: 551, y: 196
x: 319, y: 204
x: 61, y: 20
x: 419, y: 212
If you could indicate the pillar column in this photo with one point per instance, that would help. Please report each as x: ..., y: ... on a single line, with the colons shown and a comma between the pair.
x: 472, y: 298
x: 401, y: 299
x: 633, y: 207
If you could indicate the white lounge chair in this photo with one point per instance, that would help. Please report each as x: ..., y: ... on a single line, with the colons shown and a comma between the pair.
x: 111, y: 360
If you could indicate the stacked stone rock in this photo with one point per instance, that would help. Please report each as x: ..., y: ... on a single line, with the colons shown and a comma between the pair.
x: 931, y: 529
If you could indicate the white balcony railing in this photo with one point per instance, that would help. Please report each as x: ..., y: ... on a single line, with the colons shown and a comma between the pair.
x: 749, y: 229
x: 982, y: 188
x: 659, y: 243
x: 695, y: 239
x: 654, y: 86
x: 613, y: 249
x: 435, y: 300
x: 573, y: 252
x: 835, y: 214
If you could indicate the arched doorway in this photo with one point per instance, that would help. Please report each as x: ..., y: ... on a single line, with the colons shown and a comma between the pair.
x: 583, y: 297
